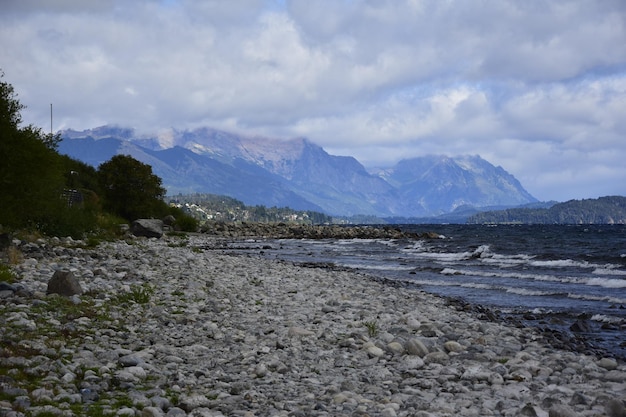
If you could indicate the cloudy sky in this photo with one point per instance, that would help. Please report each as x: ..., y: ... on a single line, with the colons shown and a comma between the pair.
x: 537, y: 86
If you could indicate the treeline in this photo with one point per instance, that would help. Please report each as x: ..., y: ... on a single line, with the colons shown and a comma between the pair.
x: 52, y: 194
x: 205, y: 206
x: 604, y: 210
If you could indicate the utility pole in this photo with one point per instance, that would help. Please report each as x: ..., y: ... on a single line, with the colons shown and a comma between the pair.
x: 50, y: 119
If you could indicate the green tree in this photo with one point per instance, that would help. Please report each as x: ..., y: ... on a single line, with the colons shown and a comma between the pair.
x: 31, y: 179
x: 130, y: 189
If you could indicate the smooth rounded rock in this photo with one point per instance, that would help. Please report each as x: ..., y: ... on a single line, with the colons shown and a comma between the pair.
x: 452, y: 346
x: 396, y: 348
x: 561, y: 410
x: 152, y: 412
x: 609, y: 364
x: 416, y: 347
x: 436, y: 357
x: 615, y: 408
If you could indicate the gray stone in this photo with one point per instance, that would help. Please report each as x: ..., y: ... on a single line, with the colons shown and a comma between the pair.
x: 375, y: 351
x: 147, y: 228
x: 531, y: 411
x: 416, y: 347
x: 129, y: 360
x: 191, y: 402
x: 169, y: 220
x: 396, y: 348
x: 299, y: 331
x: 176, y: 412
x: 452, y: 346
x: 436, y: 357
x: 6, y: 294
x: 615, y: 376
x: 64, y: 283
x: 152, y: 412
x: 615, y: 408
x: 561, y: 410
x: 607, y: 363
x: 125, y: 412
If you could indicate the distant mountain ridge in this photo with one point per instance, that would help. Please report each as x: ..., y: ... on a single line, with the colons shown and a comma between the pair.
x: 299, y: 174
x: 603, y: 210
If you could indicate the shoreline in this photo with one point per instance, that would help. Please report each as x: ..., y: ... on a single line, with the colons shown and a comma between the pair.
x: 237, y: 335
x: 554, y: 327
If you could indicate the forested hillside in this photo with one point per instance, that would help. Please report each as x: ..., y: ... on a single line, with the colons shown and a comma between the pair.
x: 604, y: 210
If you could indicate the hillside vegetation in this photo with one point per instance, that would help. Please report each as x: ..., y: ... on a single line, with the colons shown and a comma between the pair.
x: 603, y: 210
x: 45, y: 192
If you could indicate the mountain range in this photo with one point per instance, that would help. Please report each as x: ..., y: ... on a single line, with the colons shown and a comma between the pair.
x: 299, y: 174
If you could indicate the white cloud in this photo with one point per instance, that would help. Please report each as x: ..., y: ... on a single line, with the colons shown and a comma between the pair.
x: 537, y: 87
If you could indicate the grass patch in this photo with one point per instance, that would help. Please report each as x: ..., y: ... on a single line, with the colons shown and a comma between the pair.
x: 139, y: 294
x: 372, y: 328
x: 7, y: 275
x: 65, y: 310
x: 14, y: 255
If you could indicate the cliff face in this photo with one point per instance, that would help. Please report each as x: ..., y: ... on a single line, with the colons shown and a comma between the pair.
x: 299, y: 174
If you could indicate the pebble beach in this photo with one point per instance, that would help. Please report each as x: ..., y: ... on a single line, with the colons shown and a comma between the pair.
x: 176, y: 327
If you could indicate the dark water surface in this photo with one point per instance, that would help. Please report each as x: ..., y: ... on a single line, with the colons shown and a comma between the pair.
x: 570, y: 279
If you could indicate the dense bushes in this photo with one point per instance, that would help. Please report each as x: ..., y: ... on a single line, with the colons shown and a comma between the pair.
x: 130, y: 189
x: 31, y: 176
x: 53, y: 194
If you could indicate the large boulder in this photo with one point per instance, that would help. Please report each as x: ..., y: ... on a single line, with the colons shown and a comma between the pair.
x: 147, y: 228
x: 64, y: 283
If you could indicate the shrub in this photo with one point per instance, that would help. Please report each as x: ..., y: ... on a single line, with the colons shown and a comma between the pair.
x: 6, y: 274
x: 130, y: 189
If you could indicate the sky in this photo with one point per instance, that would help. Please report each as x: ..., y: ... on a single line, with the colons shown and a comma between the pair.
x: 537, y: 87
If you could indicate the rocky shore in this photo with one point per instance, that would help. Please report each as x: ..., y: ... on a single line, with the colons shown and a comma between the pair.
x: 166, y: 327
x: 302, y: 231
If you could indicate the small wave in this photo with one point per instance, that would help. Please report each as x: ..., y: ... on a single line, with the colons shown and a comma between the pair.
x: 451, y: 257
x: 506, y: 261
x: 483, y: 251
x: 483, y: 254
x: 605, y: 282
x: 478, y: 286
x: 416, y: 246
x: 433, y: 283
x: 450, y: 271
x: 609, y: 270
x: 531, y: 293
x: 561, y: 263
x: 383, y: 267
x: 485, y: 286
x: 608, y: 319
x: 354, y: 241
x: 594, y: 282
x: 541, y: 311
x: 507, y: 275
x: 392, y: 243
x: 589, y: 297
